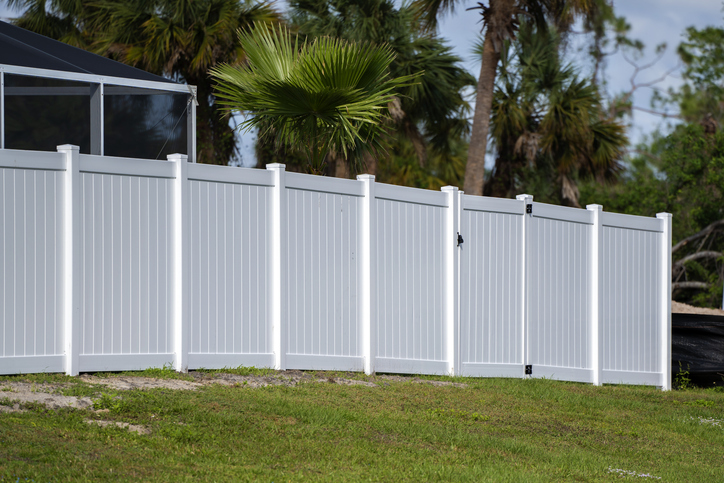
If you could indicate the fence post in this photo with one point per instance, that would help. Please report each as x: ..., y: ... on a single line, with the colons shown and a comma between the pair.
x: 451, y: 264
x: 527, y: 201
x: 367, y: 257
x: 181, y: 239
x: 665, y: 300
x: 71, y: 258
x: 596, y: 261
x: 278, y: 308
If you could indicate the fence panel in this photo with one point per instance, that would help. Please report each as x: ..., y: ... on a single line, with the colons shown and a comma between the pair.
x: 630, y: 300
x: 125, y: 266
x: 408, y: 287
x: 229, y: 268
x: 31, y: 217
x: 117, y: 264
x: 322, y: 273
x: 491, y: 287
x: 558, y: 289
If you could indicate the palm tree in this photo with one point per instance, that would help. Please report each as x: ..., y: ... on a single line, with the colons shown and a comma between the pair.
x: 501, y: 19
x: 324, y: 95
x: 428, y: 112
x: 179, y: 39
x: 544, y: 114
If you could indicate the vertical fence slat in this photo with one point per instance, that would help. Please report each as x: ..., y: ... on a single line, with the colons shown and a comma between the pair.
x: 71, y: 255
x: 450, y: 284
x: 665, y: 299
x: 596, y: 260
x: 277, y: 299
x: 180, y: 263
x: 525, y: 261
x: 368, y: 261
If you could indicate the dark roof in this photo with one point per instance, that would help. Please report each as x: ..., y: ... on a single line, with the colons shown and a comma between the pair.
x: 24, y: 48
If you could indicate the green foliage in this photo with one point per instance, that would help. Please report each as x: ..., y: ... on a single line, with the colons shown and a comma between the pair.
x: 683, y: 174
x: 402, y: 168
x: 325, y: 95
x: 429, y: 113
x: 546, y: 117
x: 682, y: 381
x: 109, y: 401
x: 702, y: 93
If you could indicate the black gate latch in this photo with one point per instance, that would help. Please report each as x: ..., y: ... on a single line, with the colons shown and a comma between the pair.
x: 460, y: 239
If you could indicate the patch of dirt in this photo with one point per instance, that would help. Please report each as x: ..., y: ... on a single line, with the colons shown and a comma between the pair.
x: 679, y: 308
x: 352, y: 382
x: 417, y: 380
x: 15, y: 408
x: 21, y: 393
x: 25, y: 392
x: 281, y: 378
x: 135, y: 428
x: 127, y: 383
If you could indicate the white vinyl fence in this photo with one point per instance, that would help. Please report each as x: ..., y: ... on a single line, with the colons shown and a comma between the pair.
x: 120, y: 264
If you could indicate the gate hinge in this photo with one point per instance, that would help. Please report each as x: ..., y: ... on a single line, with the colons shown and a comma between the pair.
x: 529, y: 209
x: 528, y: 368
x: 460, y: 239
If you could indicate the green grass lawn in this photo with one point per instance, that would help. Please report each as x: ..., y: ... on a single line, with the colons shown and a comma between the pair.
x: 492, y: 430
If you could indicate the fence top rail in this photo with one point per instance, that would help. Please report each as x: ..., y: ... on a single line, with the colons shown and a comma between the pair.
x: 230, y: 175
x: 410, y: 195
x: 632, y: 222
x: 562, y: 213
x: 21, y: 159
x: 126, y: 166
x: 493, y: 205
x: 324, y: 184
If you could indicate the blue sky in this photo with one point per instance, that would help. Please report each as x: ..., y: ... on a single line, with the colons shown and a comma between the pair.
x: 652, y: 21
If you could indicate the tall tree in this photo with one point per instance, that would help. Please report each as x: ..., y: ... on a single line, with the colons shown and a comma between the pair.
x: 430, y: 111
x: 701, y: 97
x: 546, y: 116
x: 500, y: 20
x: 324, y: 95
x: 179, y: 39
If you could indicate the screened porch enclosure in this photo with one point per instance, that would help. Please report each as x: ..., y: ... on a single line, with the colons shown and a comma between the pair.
x: 53, y: 94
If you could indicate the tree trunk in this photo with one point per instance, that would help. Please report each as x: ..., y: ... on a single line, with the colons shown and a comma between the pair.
x: 475, y: 169
x: 418, y: 142
x: 370, y: 163
x: 341, y: 166
x: 215, y: 139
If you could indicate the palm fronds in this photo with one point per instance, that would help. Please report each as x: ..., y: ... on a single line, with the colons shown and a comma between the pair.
x: 323, y: 95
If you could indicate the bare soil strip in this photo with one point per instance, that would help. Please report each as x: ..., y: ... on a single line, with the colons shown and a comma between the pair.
x: 47, y: 394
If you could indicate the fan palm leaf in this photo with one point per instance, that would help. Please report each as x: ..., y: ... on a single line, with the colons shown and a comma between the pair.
x: 431, y: 111
x: 319, y: 96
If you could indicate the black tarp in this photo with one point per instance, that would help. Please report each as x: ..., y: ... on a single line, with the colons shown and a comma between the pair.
x: 697, y: 342
x: 27, y: 49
